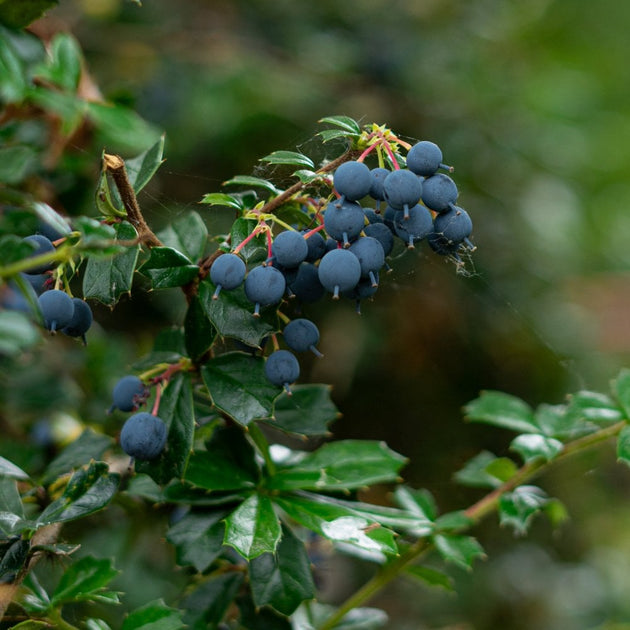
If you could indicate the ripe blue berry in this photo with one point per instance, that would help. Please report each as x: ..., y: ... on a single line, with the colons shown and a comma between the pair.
x: 439, y: 192
x: 454, y: 225
x: 378, y: 176
x: 81, y: 320
x: 382, y: 234
x: 129, y: 393
x: 424, y: 158
x: 57, y: 309
x: 282, y: 369
x: 306, y: 285
x: 143, y: 436
x: 316, y: 244
x: 339, y: 270
x: 289, y: 249
x: 227, y: 272
x: 403, y: 190
x: 264, y: 286
x: 41, y: 245
x: 418, y: 226
x: 301, y: 335
x: 352, y: 180
x: 344, y: 221
x: 371, y: 257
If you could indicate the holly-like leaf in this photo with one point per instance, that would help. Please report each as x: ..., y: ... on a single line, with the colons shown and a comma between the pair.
x: 518, y: 508
x: 254, y: 618
x: 594, y: 407
x: 288, y: 157
x: 453, y: 521
x: 341, y: 465
x: 238, y: 386
x: 177, y: 411
x: 155, y: 615
x: 207, y: 604
x: 85, y: 580
x: 168, y: 267
x: 14, y: 83
x: 10, y: 500
x: 188, y: 234
x: 255, y: 250
x: 222, y: 199
x: 253, y: 528
x: 343, y: 122
x: 90, y: 489
x: 283, y: 579
x: 14, y: 559
x: 255, y: 182
x: 231, y: 315
x: 143, y: 167
x: 63, y: 66
x: 416, y: 501
x: 502, y: 410
x: 106, y: 279
x: 308, y: 411
x: 486, y: 470
x: 458, y: 549
x: 431, y: 577
x: 198, y: 538
x: 532, y: 446
x: 333, y: 134
x: 199, y: 333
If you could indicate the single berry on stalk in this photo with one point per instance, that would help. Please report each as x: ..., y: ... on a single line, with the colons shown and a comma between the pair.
x: 128, y: 394
x: 352, y: 180
x: 143, y: 436
x: 439, y: 192
x: 227, y: 272
x: 282, y: 369
x: 301, y: 335
x: 81, y: 320
x: 424, y: 158
x: 264, y: 286
x: 344, y: 221
x: 57, y: 309
x: 339, y: 270
x: 371, y: 257
x: 289, y: 249
x: 42, y: 245
x: 403, y: 190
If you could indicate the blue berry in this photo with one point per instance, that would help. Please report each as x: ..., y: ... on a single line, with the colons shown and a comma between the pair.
x: 227, y: 272
x: 129, y: 393
x: 364, y: 289
x: 143, y: 436
x: 454, y: 225
x: 81, y: 320
x: 344, y: 221
x: 289, y: 249
x: 382, y: 234
x: 316, y: 244
x: 41, y: 245
x: 38, y: 281
x: 352, y: 180
x: 424, y: 158
x: 301, y: 335
x: 439, y: 192
x: 339, y: 270
x: 418, y: 226
x: 371, y: 257
x: 377, y: 176
x: 306, y: 285
x: 57, y: 309
x: 282, y: 369
x: 403, y: 190
x: 264, y: 286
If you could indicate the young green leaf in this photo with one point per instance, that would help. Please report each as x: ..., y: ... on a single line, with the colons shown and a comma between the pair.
x: 63, y: 66
x: 288, y: 157
x: 188, y: 234
x: 168, y: 267
x: 621, y: 390
x: 255, y: 182
x: 502, y: 410
x: 485, y: 470
x: 207, y: 604
x: 155, y: 615
x: 84, y: 580
x: 518, y: 508
x: 532, y: 446
x: 222, y: 199
x: 143, y: 167
x: 458, y: 549
x: 344, y: 122
x: 431, y: 577
x: 419, y: 502
x: 623, y: 445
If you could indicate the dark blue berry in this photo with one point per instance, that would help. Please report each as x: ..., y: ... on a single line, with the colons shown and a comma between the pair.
x: 129, y: 393
x: 41, y: 245
x: 289, y: 249
x: 403, y: 190
x: 382, y: 234
x: 424, y: 158
x: 282, y: 368
x: 301, y: 335
x: 439, y: 192
x: 316, y: 244
x: 377, y: 176
x: 454, y: 225
x: 339, y: 270
x: 264, y: 286
x: 371, y: 257
x: 418, y: 226
x: 306, y: 286
x: 352, y: 180
x: 227, y: 272
x: 344, y: 221
x: 57, y: 309
x: 81, y: 320
x: 143, y: 436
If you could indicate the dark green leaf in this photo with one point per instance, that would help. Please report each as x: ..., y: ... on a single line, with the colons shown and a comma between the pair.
x: 20, y: 13
x: 255, y: 250
x: 621, y: 390
x: 221, y: 199
x: 177, y: 411
x: 63, y: 66
x: 199, y: 333
x: 10, y: 500
x: 9, y: 469
x: 502, y: 410
x: 313, y: 616
x: 283, y: 579
x: 344, y: 122
x: 623, y: 445
x: 238, y: 386
x: 594, y: 407
x: 460, y: 550
x: 88, y: 446
x: 17, y: 332
x: 187, y: 234
x: 141, y: 485
x: 84, y: 580
x: 288, y: 157
x: 185, y: 494
x: 338, y: 523
x: 89, y: 490
x: 256, y: 182
x: 107, y: 279
x: 253, y: 528
x: 68, y: 107
x: 207, y: 604
x: 486, y: 470
x: 253, y: 618
x: 419, y: 502
x: 533, y: 446
x: 518, y: 508
x: 94, y: 233
x: 155, y: 615
x: 167, y: 267
x: 16, y: 162
x: 555, y: 421
x: 306, y: 176
x: 333, y: 134
x: 143, y: 167
x: 431, y: 577
x: 231, y: 315
x: 198, y: 538
x: 50, y: 217
x: 13, y: 80
x: 228, y: 463
x: 308, y: 411
x: 453, y: 521
x: 14, y: 560
x: 345, y: 464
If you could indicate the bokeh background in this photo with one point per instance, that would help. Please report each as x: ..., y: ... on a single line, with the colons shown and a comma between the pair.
x: 530, y: 101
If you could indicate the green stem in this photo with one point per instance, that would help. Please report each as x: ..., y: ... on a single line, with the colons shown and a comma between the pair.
x: 263, y: 446
x: 475, y: 512
x: 58, y: 621
x: 25, y: 264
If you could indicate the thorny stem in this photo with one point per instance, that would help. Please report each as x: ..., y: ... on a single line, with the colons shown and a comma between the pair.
x: 475, y: 513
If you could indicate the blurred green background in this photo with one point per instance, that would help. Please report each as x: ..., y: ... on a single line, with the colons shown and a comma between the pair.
x: 530, y: 101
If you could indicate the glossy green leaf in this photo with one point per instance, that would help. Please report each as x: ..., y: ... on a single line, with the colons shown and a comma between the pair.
x: 485, y: 470
x: 288, y: 157
x: 333, y: 134
x: 199, y: 333
x: 14, y: 559
x: 253, y: 528
x: 20, y: 13
x: 143, y: 167
x: 255, y: 182
x: 94, y: 234
x: 517, y: 508
x: 306, y: 176
x: 312, y: 615
x: 344, y: 122
x: 63, y: 66
x: 283, y: 579
x: 107, y: 279
x: 308, y: 411
x: 88, y: 446
x: 341, y: 465
x: 453, y: 521
x: 207, y: 604
x: 9, y: 469
x: 231, y: 315
x: 431, y: 577
x: 198, y: 538
x: 17, y: 332
x: 255, y: 250
x: 90, y: 489
x: 221, y: 199
x: 96, y: 624
x: 183, y: 493
x: 50, y: 217
x: 168, y: 267
x: 502, y: 410
x: 594, y: 407
x: 16, y: 162
x: 187, y: 234
x: 554, y: 421
x: 621, y: 390
x: 32, y: 624
x: 69, y: 108
x: 416, y: 501
x: 623, y: 445
x: 533, y: 446
x: 458, y: 549
x: 84, y: 580
x: 238, y: 386
x: 228, y: 463
x: 107, y: 200
x: 338, y: 523
x: 13, y: 80
x: 155, y: 615
x: 177, y: 411
x: 10, y: 500
x: 254, y: 618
